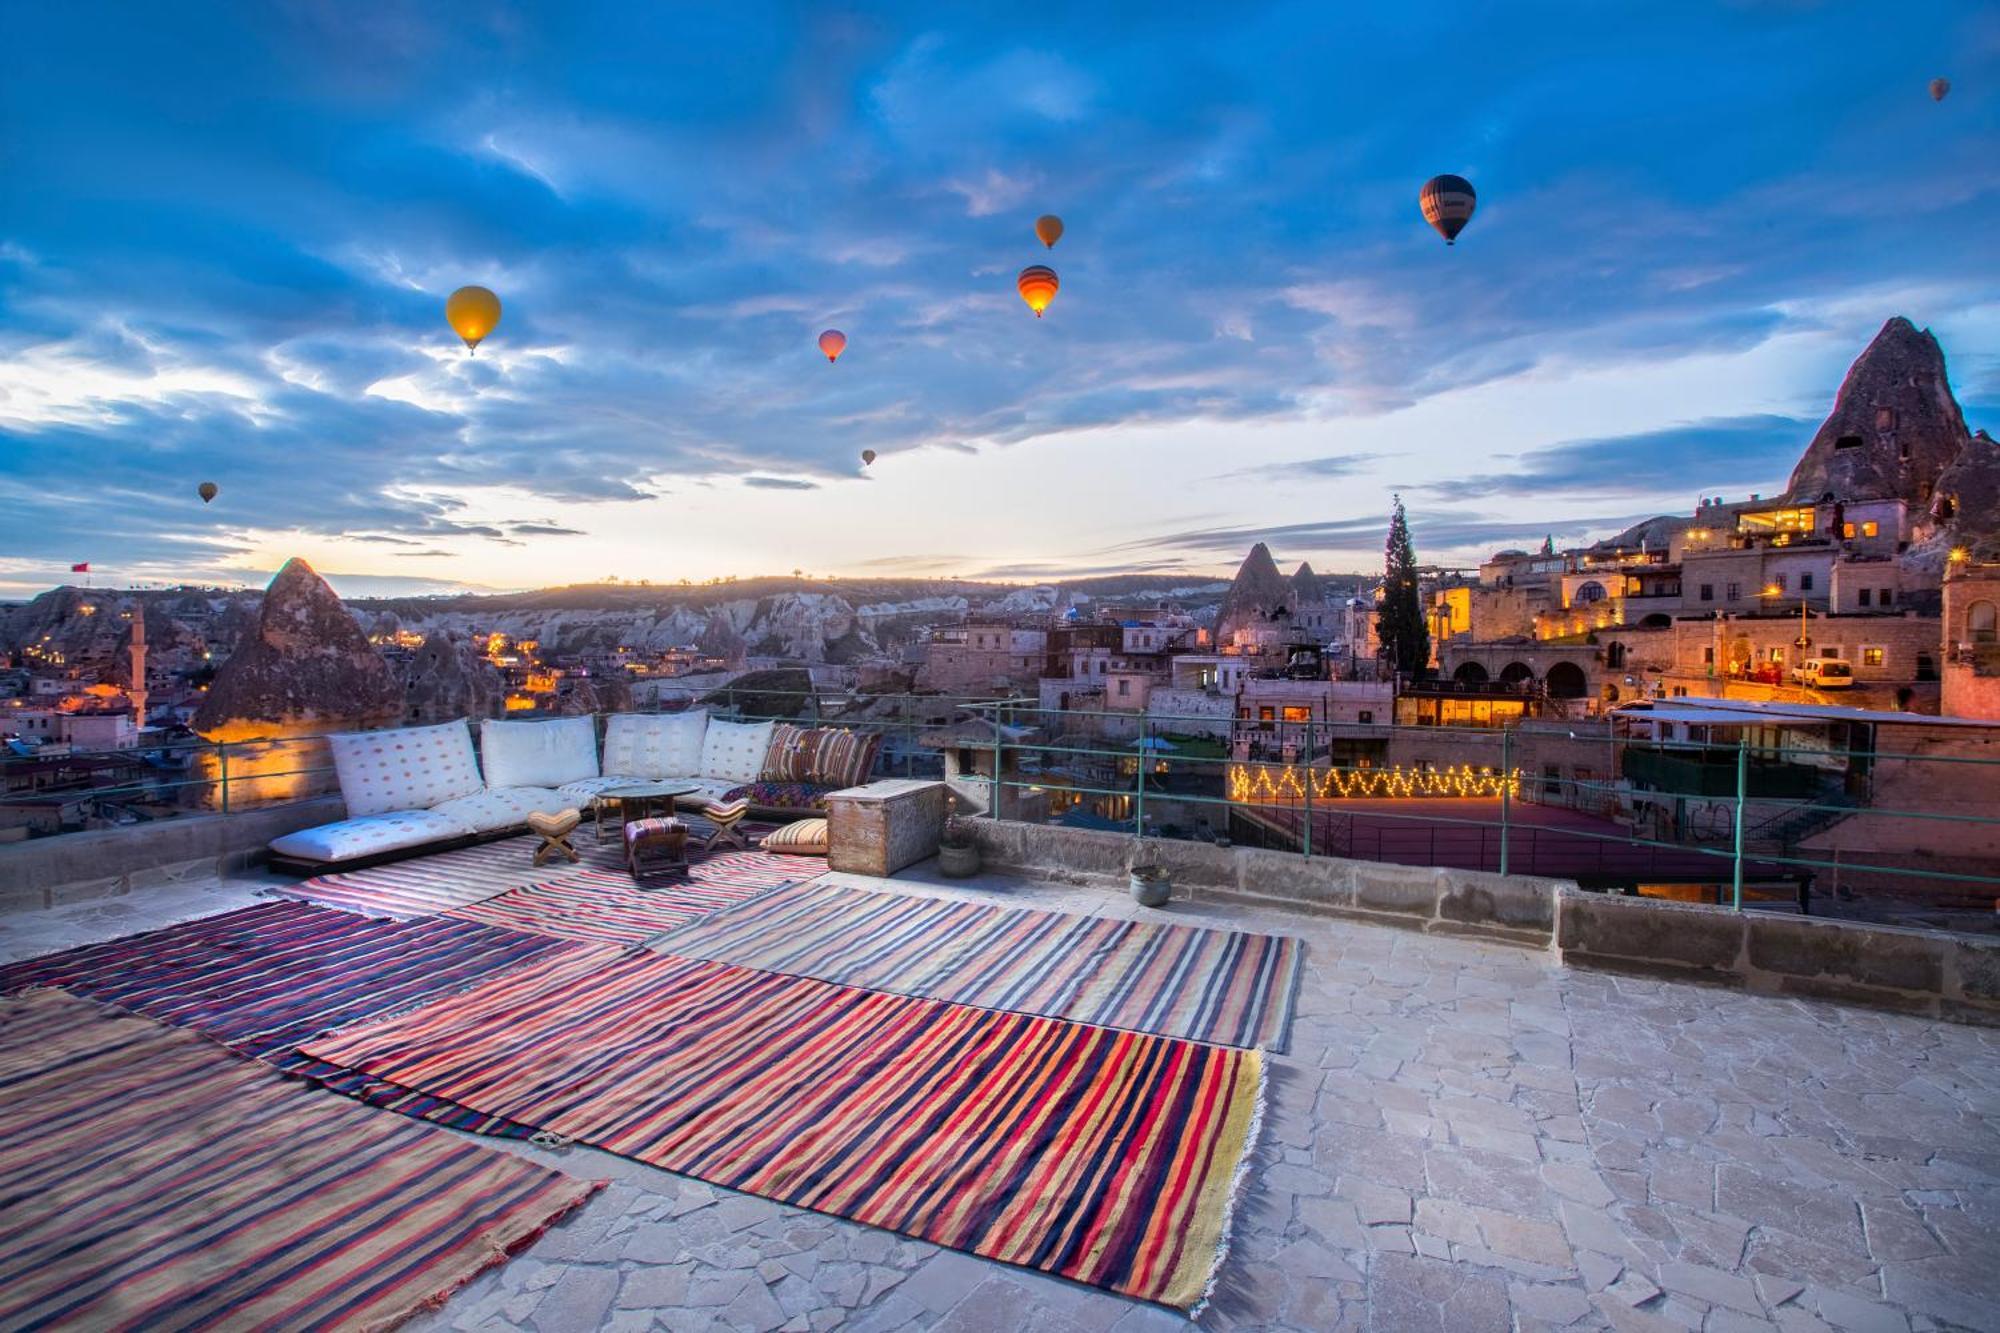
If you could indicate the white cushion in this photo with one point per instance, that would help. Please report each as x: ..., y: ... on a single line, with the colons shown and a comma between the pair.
x: 733, y: 752
x: 651, y: 746
x: 411, y: 768
x: 388, y: 831
x: 538, y: 754
x: 705, y: 790
x: 502, y: 807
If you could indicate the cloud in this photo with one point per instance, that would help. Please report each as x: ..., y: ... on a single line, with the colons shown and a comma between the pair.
x: 1433, y: 532
x: 1333, y: 465
x: 1725, y: 453
x: 780, y: 484
x: 543, y: 530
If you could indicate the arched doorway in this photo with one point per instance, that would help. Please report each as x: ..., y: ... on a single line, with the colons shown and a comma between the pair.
x: 1567, y: 681
x: 1614, y: 655
x: 1516, y: 673
x: 1470, y: 673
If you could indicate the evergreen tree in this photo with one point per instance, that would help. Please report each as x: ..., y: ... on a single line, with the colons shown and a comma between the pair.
x: 1400, y: 623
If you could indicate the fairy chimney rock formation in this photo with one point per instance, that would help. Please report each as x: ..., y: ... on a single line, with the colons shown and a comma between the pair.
x: 448, y: 677
x: 308, y: 668
x: 1306, y: 589
x: 1259, y: 590
x: 1894, y: 428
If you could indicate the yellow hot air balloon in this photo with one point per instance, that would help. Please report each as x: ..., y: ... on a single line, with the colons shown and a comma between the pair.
x: 1048, y: 227
x: 867, y: 457
x: 1447, y: 202
x: 1939, y: 87
x: 473, y: 312
x: 207, y: 491
x: 1038, y: 285
x: 833, y: 342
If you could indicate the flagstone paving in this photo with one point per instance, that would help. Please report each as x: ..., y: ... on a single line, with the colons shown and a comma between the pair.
x: 1464, y: 1137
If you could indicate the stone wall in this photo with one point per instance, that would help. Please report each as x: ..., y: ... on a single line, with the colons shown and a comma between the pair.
x: 1946, y: 976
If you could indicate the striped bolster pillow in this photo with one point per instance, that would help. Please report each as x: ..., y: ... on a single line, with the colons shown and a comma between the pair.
x: 791, y: 754
x: 808, y: 837
x: 845, y: 758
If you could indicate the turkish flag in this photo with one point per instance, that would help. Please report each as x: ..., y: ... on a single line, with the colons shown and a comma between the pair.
x: 83, y: 568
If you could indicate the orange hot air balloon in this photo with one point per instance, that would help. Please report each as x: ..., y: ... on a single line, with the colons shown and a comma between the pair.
x: 472, y: 312
x: 833, y: 342
x: 1447, y: 202
x: 1048, y: 227
x: 207, y: 491
x: 1939, y: 87
x: 867, y: 457
x: 1038, y: 285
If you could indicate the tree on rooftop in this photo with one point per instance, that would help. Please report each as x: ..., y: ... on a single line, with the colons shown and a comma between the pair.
x: 1400, y: 619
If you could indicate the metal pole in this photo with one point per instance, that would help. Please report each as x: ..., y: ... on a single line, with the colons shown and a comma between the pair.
x: 1307, y: 844
x: 1742, y: 787
x: 1506, y: 793
x: 1139, y: 805
x: 999, y: 721
x: 222, y: 764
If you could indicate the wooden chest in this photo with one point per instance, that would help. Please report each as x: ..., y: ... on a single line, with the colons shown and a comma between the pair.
x: 882, y: 827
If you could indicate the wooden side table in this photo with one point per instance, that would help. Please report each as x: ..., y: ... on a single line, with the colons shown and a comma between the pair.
x: 882, y: 827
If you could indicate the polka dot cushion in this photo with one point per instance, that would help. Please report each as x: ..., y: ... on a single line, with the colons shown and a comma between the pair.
x: 733, y: 752
x: 411, y: 768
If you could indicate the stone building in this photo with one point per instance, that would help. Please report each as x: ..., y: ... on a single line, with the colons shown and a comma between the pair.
x: 1971, y: 650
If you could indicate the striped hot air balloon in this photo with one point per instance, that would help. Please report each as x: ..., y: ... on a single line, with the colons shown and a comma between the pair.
x: 1447, y: 202
x: 1037, y: 285
x: 833, y: 342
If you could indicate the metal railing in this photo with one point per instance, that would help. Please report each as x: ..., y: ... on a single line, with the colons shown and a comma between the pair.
x: 1861, y: 832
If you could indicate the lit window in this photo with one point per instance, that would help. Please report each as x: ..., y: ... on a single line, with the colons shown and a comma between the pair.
x: 1847, y: 530
x: 1869, y: 529
x: 1871, y: 657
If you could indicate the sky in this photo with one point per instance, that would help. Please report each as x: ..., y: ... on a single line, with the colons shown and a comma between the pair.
x: 227, y: 233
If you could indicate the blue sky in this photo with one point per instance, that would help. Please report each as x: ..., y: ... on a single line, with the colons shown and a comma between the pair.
x: 226, y: 234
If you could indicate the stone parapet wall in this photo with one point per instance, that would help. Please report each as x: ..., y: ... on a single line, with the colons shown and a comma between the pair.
x: 107, y: 863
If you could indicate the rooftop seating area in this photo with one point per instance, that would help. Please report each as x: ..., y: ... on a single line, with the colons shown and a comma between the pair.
x: 1377, y: 1127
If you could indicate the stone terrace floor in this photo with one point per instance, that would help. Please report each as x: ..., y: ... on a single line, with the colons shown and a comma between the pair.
x: 1464, y: 1137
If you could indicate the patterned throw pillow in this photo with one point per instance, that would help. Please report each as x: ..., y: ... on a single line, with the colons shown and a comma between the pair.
x: 805, y: 838
x: 410, y: 768
x: 793, y: 750
x: 733, y: 752
x: 654, y: 745
x: 780, y: 795
x: 845, y: 758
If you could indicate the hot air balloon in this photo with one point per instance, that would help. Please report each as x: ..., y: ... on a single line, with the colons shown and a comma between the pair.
x: 833, y: 342
x: 1939, y: 87
x: 1038, y: 285
x: 473, y: 312
x: 867, y: 457
x: 207, y: 491
x: 1447, y: 202
x: 1048, y: 227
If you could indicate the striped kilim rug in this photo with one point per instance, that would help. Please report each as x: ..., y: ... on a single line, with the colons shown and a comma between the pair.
x: 152, y: 1180
x: 607, y: 907
x: 1104, y: 1156
x: 442, y: 881
x: 1179, y: 981
x: 263, y: 979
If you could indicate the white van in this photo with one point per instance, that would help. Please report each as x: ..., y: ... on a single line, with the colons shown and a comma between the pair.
x: 1824, y: 673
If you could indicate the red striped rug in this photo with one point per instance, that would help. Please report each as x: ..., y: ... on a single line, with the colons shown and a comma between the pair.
x: 607, y: 907
x: 153, y: 1180
x: 1104, y: 1156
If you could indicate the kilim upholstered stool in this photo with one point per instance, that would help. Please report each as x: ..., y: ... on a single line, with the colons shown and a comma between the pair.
x: 655, y: 845
x: 725, y: 815
x: 554, y: 830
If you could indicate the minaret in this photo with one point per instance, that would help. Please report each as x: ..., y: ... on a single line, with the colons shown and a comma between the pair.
x: 137, y: 690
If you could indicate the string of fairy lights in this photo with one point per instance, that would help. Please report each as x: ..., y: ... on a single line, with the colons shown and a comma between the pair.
x: 1255, y: 784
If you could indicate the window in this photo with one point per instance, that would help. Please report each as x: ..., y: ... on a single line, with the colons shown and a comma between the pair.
x: 1367, y: 715
x: 1708, y: 592
x: 1871, y: 657
x: 1847, y: 531
x: 1829, y: 650
x: 1778, y: 655
x: 1870, y: 528
x: 1708, y: 655
x: 1885, y: 596
x: 1778, y: 582
x: 1732, y: 592
x: 1298, y: 713
x: 1805, y: 583
x: 1864, y: 596
x: 1124, y: 687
